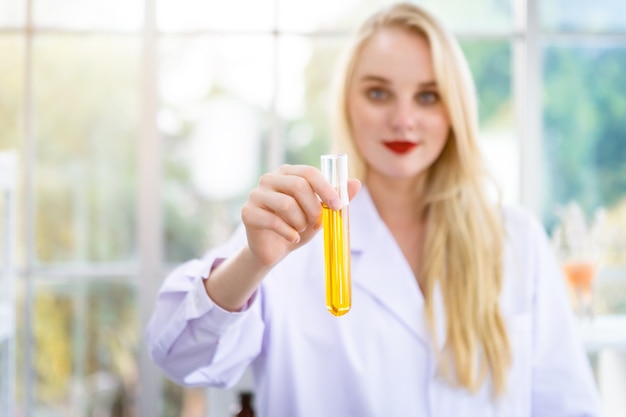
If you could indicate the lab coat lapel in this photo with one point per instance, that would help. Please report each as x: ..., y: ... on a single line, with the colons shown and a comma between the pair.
x: 380, y: 269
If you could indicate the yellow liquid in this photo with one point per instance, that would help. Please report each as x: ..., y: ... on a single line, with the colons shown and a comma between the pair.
x: 337, y: 260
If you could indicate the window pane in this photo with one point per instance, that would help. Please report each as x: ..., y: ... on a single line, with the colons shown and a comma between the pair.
x: 11, y: 128
x: 216, y: 94
x: 242, y: 15
x: 7, y: 397
x: 491, y: 63
x: 324, y: 15
x: 12, y: 13
x: 585, y: 148
x: 306, y: 67
x: 11, y: 91
x: 573, y: 15
x: 89, y: 14
x: 84, y: 351
x: 86, y: 112
x: 346, y: 15
x: 479, y: 15
x: 179, y: 401
x: 8, y: 279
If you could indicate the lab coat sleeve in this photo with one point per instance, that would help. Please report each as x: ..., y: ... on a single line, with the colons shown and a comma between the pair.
x: 192, y: 339
x: 563, y: 384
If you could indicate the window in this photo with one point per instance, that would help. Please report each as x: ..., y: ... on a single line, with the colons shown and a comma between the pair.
x: 118, y: 109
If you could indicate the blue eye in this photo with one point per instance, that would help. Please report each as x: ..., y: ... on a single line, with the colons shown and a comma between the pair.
x: 377, y: 94
x: 427, y: 97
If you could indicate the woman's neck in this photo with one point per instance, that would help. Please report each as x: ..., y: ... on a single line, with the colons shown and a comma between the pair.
x: 398, y: 202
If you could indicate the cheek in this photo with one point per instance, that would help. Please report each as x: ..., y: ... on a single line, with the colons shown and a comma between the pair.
x: 357, y: 113
x: 363, y: 123
x: 363, y: 117
x: 440, y: 126
x: 357, y: 118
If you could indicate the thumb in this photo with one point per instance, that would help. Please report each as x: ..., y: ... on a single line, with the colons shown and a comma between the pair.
x: 354, y: 186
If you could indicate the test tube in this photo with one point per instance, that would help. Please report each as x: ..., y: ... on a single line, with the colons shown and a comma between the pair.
x: 337, y: 237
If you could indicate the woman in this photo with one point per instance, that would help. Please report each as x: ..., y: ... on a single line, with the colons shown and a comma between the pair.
x: 458, y: 307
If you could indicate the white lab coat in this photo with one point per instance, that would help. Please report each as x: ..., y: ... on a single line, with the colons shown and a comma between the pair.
x: 377, y: 360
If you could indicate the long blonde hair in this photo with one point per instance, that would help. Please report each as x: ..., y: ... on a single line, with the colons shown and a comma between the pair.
x: 464, y: 239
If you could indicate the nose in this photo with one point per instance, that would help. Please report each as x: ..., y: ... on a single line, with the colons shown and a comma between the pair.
x: 403, y: 115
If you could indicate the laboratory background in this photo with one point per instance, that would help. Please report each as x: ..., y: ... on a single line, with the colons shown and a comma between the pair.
x: 132, y: 131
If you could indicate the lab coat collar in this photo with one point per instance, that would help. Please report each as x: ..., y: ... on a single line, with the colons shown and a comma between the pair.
x: 380, y: 269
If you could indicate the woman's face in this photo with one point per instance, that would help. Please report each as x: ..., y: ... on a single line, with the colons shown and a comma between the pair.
x: 398, y: 120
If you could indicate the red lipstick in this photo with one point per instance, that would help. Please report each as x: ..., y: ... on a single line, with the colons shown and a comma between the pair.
x: 400, y: 146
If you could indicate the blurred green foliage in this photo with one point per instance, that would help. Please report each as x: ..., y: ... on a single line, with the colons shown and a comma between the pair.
x: 584, y: 136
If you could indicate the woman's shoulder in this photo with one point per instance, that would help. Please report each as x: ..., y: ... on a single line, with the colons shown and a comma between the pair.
x: 524, y: 232
x: 520, y: 220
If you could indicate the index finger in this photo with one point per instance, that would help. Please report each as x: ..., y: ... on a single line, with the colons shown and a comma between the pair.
x: 324, y: 190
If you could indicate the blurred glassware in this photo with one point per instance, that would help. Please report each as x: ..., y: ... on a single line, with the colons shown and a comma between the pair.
x: 579, y: 247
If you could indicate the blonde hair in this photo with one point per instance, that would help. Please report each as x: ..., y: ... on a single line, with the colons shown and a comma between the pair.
x: 464, y: 239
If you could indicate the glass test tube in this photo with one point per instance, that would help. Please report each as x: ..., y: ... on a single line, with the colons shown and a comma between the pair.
x: 337, y: 237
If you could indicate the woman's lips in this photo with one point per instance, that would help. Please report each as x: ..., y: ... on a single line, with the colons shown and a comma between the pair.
x: 400, y: 146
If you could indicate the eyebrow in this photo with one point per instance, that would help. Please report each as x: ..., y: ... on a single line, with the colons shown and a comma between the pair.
x: 383, y: 80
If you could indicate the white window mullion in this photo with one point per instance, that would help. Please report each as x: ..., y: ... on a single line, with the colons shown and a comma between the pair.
x: 150, y: 223
x: 28, y: 230
x: 528, y: 93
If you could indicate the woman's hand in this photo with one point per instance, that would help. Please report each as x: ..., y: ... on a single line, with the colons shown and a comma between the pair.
x: 284, y: 212
x: 281, y: 214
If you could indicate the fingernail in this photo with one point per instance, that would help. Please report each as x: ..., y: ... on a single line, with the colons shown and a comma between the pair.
x: 335, y: 204
x: 297, y: 239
